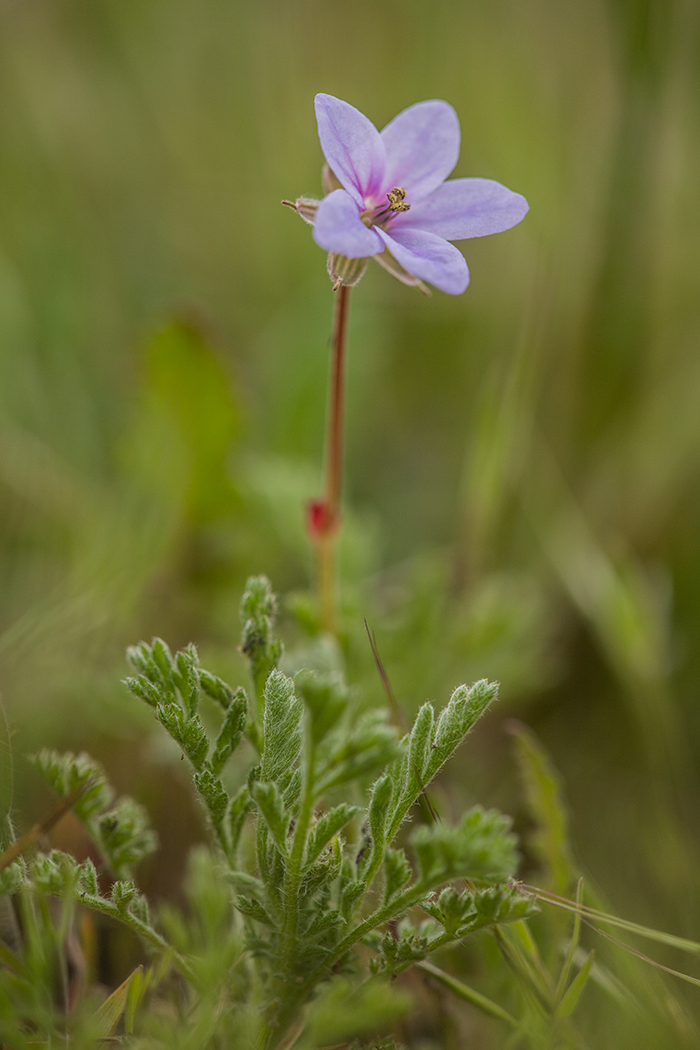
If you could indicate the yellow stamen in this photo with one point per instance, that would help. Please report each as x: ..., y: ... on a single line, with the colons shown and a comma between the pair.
x: 397, y: 199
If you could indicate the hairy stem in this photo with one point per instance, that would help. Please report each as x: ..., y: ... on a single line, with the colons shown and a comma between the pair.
x: 274, y: 1035
x: 292, y: 880
x: 142, y: 929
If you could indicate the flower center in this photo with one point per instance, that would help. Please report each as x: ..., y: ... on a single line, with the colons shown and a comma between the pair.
x: 380, y: 214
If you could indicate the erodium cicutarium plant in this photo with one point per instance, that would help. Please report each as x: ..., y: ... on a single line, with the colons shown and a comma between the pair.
x: 327, y: 872
x: 388, y: 199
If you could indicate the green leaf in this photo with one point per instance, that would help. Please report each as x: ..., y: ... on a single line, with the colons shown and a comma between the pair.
x: 397, y: 873
x: 573, y: 994
x: 573, y: 944
x: 241, y: 805
x: 163, y: 660
x: 66, y: 773
x: 379, y: 804
x: 380, y: 801
x: 350, y: 895
x: 469, y: 995
x: 326, y: 699
x: 213, y: 794
x: 123, y: 893
x: 55, y: 874
x: 419, y: 747
x: 342, y: 1011
x: 429, y: 746
x: 282, y: 730
x: 13, y: 877
x: 462, y: 913
x: 146, y: 690
x: 138, y: 987
x: 108, y: 1016
x: 324, y: 921
x: 258, y: 611
x: 189, y: 733
x: 253, y: 909
x: 465, y: 708
x: 399, y: 949
x: 217, y: 690
x: 88, y: 879
x: 124, y: 837
x: 269, y: 801
x: 350, y: 755
x: 232, y: 730
x: 545, y: 800
x: 328, y: 826
x: 480, y: 847
x: 187, y: 678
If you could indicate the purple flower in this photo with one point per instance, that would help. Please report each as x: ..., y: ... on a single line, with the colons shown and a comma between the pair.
x: 394, y: 195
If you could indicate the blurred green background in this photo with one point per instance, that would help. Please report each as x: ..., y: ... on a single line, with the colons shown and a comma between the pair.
x: 523, y: 462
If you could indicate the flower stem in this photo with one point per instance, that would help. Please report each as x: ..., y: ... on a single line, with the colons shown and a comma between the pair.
x: 329, y: 523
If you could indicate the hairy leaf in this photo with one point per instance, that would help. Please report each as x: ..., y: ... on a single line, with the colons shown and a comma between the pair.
x: 282, y: 730
x: 328, y: 826
x: 213, y: 794
x: 480, y: 847
x: 232, y: 730
x: 429, y: 746
x: 269, y: 802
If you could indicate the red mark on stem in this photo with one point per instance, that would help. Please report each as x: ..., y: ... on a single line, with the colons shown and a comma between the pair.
x: 321, y: 521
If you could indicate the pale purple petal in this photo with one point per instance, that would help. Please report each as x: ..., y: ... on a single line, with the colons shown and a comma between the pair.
x: 422, y: 147
x: 352, y: 146
x: 464, y: 208
x: 338, y: 228
x: 429, y: 257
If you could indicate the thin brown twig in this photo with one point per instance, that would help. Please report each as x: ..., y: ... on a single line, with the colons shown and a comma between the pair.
x: 397, y: 715
x: 31, y: 837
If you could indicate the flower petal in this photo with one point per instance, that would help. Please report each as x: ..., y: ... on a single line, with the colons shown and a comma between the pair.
x: 422, y: 147
x: 352, y: 147
x: 429, y: 257
x: 466, y: 208
x: 338, y: 228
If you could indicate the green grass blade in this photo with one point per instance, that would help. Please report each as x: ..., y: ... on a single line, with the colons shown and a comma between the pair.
x: 573, y: 994
x: 469, y: 995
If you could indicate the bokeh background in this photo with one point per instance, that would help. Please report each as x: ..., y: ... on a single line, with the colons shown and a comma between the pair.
x: 523, y: 462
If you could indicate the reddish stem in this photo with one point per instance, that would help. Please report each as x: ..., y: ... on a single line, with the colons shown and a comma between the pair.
x: 334, y: 437
x: 324, y: 515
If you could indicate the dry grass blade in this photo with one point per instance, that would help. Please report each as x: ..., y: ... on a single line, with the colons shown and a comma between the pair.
x: 26, y: 841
